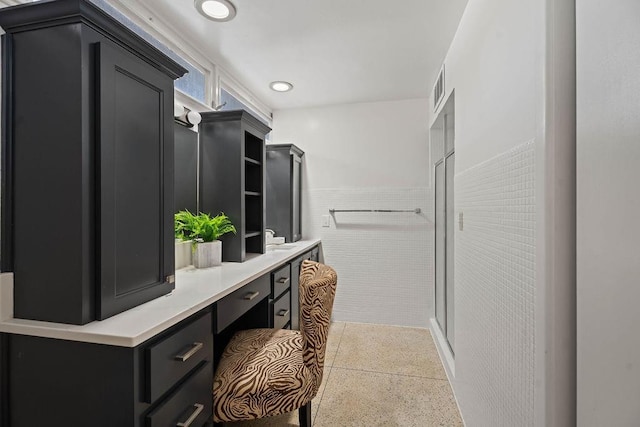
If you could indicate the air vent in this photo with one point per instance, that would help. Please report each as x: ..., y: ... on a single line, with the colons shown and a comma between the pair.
x: 438, y: 89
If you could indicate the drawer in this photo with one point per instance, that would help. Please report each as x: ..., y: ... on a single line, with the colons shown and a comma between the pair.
x: 234, y: 305
x: 190, y: 405
x: 281, y: 311
x: 170, y: 359
x: 280, y: 281
x: 315, y: 254
x: 306, y: 255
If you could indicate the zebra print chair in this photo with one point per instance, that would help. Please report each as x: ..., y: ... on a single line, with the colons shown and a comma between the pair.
x: 266, y: 372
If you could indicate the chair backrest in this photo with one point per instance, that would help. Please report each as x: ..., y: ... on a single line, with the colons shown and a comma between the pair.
x: 317, y: 291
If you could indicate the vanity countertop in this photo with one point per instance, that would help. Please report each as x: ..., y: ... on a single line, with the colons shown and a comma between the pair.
x: 195, y: 290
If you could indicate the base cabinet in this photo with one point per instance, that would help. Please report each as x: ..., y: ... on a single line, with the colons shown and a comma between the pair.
x: 67, y: 383
x: 190, y: 405
x: 165, y: 381
x: 280, y: 298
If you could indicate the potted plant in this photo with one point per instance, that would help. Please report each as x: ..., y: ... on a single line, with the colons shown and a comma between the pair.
x: 203, y: 231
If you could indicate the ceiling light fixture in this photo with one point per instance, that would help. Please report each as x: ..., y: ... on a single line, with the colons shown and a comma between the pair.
x: 281, y: 86
x: 216, y: 10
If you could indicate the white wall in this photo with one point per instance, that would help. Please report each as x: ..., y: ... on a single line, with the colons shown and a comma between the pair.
x: 494, y: 65
x: 378, y: 144
x: 369, y: 156
x: 608, y: 162
x: 508, y: 79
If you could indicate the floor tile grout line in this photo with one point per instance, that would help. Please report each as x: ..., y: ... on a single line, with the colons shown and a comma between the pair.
x: 329, y: 376
x: 339, y: 341
x: 313, y: 421
x: 321, y: 396
x: 390, y: 373
x: 338, y: 346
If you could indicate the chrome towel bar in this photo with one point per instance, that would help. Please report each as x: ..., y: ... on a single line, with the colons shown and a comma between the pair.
x: 416, y: 210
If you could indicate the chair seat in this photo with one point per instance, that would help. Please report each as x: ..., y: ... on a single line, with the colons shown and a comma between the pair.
x: 261, y: 374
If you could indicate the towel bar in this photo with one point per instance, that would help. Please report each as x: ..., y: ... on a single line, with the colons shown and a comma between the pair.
x: 416, y: 210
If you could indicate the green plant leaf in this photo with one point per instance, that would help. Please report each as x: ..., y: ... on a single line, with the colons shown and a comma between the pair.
x: 202, y: 226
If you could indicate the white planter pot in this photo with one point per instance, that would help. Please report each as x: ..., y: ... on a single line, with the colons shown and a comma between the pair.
x: 207, y: 254
x: 183, y: 254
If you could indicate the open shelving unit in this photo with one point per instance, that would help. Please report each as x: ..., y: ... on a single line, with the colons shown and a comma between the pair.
x: 232, y: 178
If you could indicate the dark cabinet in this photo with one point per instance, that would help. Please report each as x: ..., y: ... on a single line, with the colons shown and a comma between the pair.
x: 135, y: 164
x: 281, y: 312
x: 87, y: 203
x: 284, y: 190
x: 232, y: 157
x: 66, y: 383
x: 163, y: 381
x: 280, y: 301
x: 295, y: 285
x: 233, y: 306
x: 186, y: 168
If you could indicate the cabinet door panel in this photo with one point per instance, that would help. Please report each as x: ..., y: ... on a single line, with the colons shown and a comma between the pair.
x: 136, y: 181
x: 296, y: 193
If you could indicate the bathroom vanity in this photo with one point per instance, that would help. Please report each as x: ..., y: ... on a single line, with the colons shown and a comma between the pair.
x: 152, y: 365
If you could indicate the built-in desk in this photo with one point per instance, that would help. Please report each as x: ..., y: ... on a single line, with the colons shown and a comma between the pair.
x: 149, y: 366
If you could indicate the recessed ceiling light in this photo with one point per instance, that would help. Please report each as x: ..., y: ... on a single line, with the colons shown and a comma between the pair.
x: 216, y: 10
x: 281, y: 86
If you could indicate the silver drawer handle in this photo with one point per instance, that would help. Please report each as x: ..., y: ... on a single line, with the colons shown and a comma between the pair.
x: 283, y: 312
x: 194, y: 349
x: 198, y: 408
x: 251, y: 295
x: 283, y: 280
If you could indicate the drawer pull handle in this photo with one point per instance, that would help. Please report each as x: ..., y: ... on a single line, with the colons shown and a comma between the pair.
x: 197, y: 409
x: 283, y: 312
x: 283, y: 280
x: 193, y: 350
x: 251, y: 295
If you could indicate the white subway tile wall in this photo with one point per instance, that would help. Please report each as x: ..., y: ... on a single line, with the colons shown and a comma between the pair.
x: 495, y: 290
x: 384, y: 261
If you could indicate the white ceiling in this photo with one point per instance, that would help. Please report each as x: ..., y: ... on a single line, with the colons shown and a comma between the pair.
x: 333, y: 51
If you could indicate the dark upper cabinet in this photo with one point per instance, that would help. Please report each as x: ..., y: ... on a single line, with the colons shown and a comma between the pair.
x: 232, y: 178
x: 186, y: 168
x: 284, y: 190
x: 87, y: 201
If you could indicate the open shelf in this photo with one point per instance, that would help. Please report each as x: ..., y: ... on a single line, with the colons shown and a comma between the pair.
x: 253, y: 147
x: 254, y: 243
x: 253, y: 213
x: 253, y: 176
x: 233, y: 152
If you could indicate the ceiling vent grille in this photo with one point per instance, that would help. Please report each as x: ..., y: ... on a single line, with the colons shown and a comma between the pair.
x: 438, y: 89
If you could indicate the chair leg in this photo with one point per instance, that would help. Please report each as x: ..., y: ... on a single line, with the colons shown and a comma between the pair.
x: 304, y: 415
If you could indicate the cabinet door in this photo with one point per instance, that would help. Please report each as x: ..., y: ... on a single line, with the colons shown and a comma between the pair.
x: 135, y: 204
x: 296, y: 192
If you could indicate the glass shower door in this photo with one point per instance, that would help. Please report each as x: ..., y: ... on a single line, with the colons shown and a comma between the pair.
x: 443, y: 154
x: 440, y: 245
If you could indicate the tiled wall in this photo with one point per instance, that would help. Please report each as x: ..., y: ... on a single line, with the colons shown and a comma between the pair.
x: 384, y: 261
x: 495, y: 290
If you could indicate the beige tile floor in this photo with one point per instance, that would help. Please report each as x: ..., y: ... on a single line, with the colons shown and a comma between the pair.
x: 378, y: 375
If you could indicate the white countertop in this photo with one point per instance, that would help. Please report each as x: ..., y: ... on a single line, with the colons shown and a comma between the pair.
x: 195, y: 290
